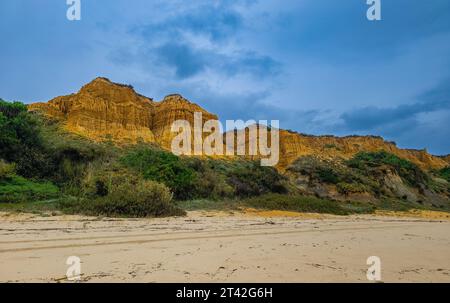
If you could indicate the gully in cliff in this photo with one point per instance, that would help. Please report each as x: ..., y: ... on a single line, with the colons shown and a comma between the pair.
x: 239, y: 134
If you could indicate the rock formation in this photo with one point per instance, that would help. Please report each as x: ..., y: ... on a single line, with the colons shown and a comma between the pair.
x: 103, y: 110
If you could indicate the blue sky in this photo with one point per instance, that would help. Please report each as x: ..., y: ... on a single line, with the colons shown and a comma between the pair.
x: 318, y: 66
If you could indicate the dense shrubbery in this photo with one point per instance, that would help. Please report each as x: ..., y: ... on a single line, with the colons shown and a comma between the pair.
x: 14, y: 188
x: 252, y: 179
x: 141, y: 199
x: 40, y: 150
x: 365, y: 172
x: 21, y: 140
x: 444, y: 173
x: 332, y: 173
x: 351, y: 188
x: 41, y: 153
x: 190, y: 178
x: 163, y: 167
x: 410, y: 172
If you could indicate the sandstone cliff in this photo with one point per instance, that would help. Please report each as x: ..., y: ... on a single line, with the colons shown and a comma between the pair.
x: 103, y: 110
x: 293, y: 145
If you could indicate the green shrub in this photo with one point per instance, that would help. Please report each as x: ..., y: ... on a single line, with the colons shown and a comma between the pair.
x: 444, y: 173
x: 350, y: 188
x: 163, y: 167
x: 318, y: 169
x: 211, y: 181
x: 252, y: 179
x: 6, y: 170
x: 21, y: 141
x: 410, y: 172
x: 143, y: 199
x: 328, y: 175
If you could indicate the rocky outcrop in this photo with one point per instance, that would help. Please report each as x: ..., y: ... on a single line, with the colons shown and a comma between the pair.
x: 294, y: 145
x: 103, y: 110
x: 173, y: 108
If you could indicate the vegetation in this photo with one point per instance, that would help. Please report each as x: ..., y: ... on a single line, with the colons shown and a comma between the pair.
x: 163, y: 167
x: 296, y: 203
x: 142, y: 199
x: 444, y: 173
x: 411, y: 173
x: 19, y: 189
x: 43, y: 168
x: 252, y: 179
x: 191, y: 178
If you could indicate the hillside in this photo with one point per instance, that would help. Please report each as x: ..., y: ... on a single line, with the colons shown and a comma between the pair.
x: 103, y: 110
x: 105, y: 151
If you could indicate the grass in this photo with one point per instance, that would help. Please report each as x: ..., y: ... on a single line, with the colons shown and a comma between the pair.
x: 18, y: 189
x: 207, y: 204
x: 297, y: 203
x: 280, y: 202
x: 38, y: 207
x: 71, y: 205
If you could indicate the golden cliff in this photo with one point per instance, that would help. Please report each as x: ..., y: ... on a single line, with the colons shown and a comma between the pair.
x: 103, y: 110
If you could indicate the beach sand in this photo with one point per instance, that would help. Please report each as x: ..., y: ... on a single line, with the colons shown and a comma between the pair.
x: 245, y: 246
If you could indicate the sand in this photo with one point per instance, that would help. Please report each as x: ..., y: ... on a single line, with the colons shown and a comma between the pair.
x: 247, y: 246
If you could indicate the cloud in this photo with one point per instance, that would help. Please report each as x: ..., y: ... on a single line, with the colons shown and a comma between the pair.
x: 369, y: 118
x: 421, y: 124
x: 217, y: 22
x: 198, y: 38
x: 186, y: 61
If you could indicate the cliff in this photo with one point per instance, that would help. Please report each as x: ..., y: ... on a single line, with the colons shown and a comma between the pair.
x: 103, y: 110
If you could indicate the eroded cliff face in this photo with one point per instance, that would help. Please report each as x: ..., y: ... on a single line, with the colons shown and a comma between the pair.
x: 293, y: 145
x: 103, y: 110
x: 171, y: 109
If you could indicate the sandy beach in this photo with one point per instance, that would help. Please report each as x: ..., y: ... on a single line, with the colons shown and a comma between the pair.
x: 247, y: 246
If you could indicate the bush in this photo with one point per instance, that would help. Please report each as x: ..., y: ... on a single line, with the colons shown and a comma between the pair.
x: 6, y: 170
x: 295, y: 203
x: 444, y: 173
x: 318, y: 169
x: 211, y: 181
x: 144, y: 199
x: 163, y: 167
x: 251, y: 179
x: 21, y: 141
x: 328, y: 175
x: 350, y: 188
x: 409, y: 171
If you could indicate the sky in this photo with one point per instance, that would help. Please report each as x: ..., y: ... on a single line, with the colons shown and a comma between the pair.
x: 318, y: 66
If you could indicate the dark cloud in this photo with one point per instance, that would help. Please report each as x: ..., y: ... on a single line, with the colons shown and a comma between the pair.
x: 217, y: 22
x: 167, y: 41
x: 422, y: 124
x: 368, y: 118
x: 186, y: 61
